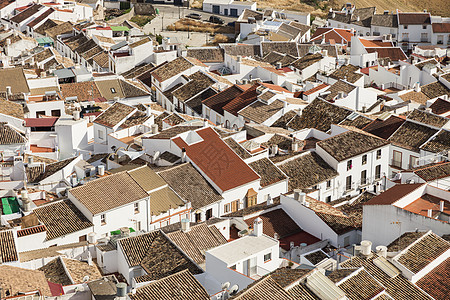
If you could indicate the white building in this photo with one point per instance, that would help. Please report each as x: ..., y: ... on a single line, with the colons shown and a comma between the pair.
x: 228, y: 7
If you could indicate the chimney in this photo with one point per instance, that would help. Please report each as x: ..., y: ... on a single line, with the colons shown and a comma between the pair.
x: 154, y: 128
x: 278, y: 65
x: 30, y: 159
x: 441, y: 206
x: 183, y: 155
x: 26, y: 203
x: 185, y: 225
x: 148, y: 110
x: 101, y: 170
x: 205, y: 122
x: 239, y: 58
x: 366, y: 247
x: 258, y: 227
x: 430, y: 213
x: 386, y: 12
x: 274, y: 149
x: 358, y: 18
x: 8, y: 91
x: 76, y: 115
x: 417, y: 88
x: 299, y: 196
x: 269, y: 200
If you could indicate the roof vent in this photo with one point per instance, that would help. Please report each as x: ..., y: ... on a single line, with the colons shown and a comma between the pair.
x: 366, y: 248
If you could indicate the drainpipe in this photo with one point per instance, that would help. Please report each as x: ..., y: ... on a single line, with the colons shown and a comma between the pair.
x: 148, y: 209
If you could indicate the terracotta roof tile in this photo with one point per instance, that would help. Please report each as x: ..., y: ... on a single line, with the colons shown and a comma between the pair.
x: 190, y: 185
x: 84, y: 91
x: 266, y: 288
x: 393, y: 194
x: 14, y: 280
x: 260, y: 112
x: 440, y: 106
x: 276, y: 222
x: 414, y: 18
x: 438, y: 143
x: 404, y: 241
x: 61, y: 218
x: 8, y: 251
x: 109, y: 192
x: 241, y: 101
x: 156, y: 254
x: 197, y: 83
x: 268, y: 172
x: 224, y: 167
x: 412, y: 135
x: 280, y: 47
x: 114, y: 114
x: 174, y: 287
x: 350, y: 143
x: 436, y: 283
x: 19, y: 18
x: 172, y: 68
x: 218, y: 101
x: 9, y: 135
x: 306, y: 171
x: 206, y: 54
x: 435, y: 89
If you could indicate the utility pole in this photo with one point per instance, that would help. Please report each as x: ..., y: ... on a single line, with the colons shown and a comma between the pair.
x: 162, y: 22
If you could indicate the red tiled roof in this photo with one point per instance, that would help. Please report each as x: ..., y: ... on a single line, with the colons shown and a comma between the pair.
x: 372, y: 44
x: 217, y: 161
x: 298, y: 238
x: 275, y: 87
x: 219, y: 100
x: 440, y: 106
x: 242, y: 100
x: 424, y: 203
x: 317, y: 88
x: 414, y: 18
x: 393, y: 194
x: 436, y: 283
x: 56, y: 289
x: 394, y: 53
x: 41, y: 17
x: 31, y: 230
x: 332, y: 34
x: 441, y: 27
x: 40, y: 122
x: 384, y: 129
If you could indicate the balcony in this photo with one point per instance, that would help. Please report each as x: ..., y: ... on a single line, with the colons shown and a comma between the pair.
x: 396, y: 163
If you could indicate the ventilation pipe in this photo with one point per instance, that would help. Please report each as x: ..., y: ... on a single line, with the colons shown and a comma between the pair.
x: 154, y: 128
x: 183, y: 155
x: 381, y: 251
x: 101, y: 170
x: 8, y: 91
x: 441, y: 206
x: 430, y: 213
x: 76, y: 115
x: 269, y: 200
x: 26, y: 203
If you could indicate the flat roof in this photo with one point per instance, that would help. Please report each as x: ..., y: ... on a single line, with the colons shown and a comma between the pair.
x: 242, y: 248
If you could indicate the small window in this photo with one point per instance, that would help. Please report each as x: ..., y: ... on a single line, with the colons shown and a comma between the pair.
x: 209, y: 214
x: 328, y: 184
x: 405, y: 26
x: 227, y: 208
x: 113, y: 90
x: 346, y: 241
x: 364, y: 177
x: 378, y: 172
x: 378, y: 153
x: 424, y: 26
x: 364, y: 159
x: 136, y: 208
x: 328, y: 199
x: 103, y: 219
x: 267, y: 257
x: 100, y: 135
x: 413, y: 161
x: 349, y: 165
x: 348, y: 183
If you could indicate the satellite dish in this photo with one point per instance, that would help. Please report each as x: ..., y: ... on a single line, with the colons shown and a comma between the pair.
x: 225, y: 285
x: 86, y: 278
x: 234, y: 289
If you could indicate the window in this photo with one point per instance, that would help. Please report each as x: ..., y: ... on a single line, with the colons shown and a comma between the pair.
x: 328, y: 199
x: 40, y: 113
x: 397, y: 159
x: 424, y: 26
x: 348, y: 183
x: 378, y: 153
x: 113, y: 90
x: 235, y: 205
x: 82, y: 238
x: 364, y: 177
x: 378, y: 172
x: 207, y: 111
x: 413, y: 161
x: 138, y: 225
x: 100, y: 135
x: 198, y: 217
x: 364, y: 159
x: 209, y: 214
x: 218, y: 120
x: 267, y: 257
x: 328, y: 184
x: 424, y: 37
x: 405, y: 26
x: 405, y: 37
x: 56, y: 113
x: 103, y: 219
x: 440, y: 39
x: 349, y: 165
x: 136, y: 208
x: 227, y: 208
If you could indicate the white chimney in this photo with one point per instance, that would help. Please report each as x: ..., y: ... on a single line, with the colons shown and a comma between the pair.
x: 294, y: 146
x: 430, y: 213
x: 366, y: 247
x: 239, y: 58
x: 8, y: 91
x: 274, y: 149
x: 76, y: 115
x: 441, y: 205
x: 74, y: 180
x: 30, y: 159
x: 148, y: 110
x: 92, y: 237
x: 183, y: 155
x: 91, y: 119
x: 279, y: 65
x: 205, y: 122
x: 101, y: 170
x: 258, y: 227
x: 417, y: 88
x: 185, y: 225
x: 299, y: 196
x: 26, y: 203
x: 269, y: 200
x: 381, y: 250
x: 154, y: 128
